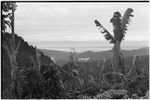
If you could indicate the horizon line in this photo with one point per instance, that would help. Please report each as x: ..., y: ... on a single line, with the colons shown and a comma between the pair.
x: 92, y: 50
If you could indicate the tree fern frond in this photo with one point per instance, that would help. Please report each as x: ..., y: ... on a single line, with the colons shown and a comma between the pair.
x: 97, y: 23
x: 126, y: 19
x: 107, y: 35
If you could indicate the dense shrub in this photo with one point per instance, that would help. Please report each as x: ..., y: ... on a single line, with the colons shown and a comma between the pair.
x: 44, y: 84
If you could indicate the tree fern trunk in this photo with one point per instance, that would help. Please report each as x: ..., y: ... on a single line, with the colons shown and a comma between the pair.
x: 116, y: 54
x: 118, y: 63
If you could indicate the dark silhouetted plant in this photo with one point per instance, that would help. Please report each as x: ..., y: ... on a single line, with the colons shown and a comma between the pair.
x: 119, y: 29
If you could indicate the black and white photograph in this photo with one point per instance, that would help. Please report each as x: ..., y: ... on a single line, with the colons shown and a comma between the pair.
x: 75, y: 49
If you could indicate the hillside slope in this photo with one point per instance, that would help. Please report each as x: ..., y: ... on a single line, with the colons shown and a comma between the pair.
x: 24, y: 55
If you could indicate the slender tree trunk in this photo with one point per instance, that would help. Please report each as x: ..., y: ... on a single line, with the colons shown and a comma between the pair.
x: 118, y: 63
x: 116, y: 54
x: 14, y: 67
x: 13, y: 56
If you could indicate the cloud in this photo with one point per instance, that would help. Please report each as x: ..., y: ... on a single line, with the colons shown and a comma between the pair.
x: 74, y: 21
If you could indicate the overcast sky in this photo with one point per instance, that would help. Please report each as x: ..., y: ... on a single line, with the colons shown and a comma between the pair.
x: 75, y: 21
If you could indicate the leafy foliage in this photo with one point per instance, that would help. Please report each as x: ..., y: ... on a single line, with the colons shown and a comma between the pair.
x: 44, y: 84
x: 107, y: 35
x: 119, y: 26
x: 126, y: 19
x: 7, y: 14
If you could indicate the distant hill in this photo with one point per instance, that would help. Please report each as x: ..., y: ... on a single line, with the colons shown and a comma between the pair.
x: 108, y: 53
x: 55, y: 53
x: 63, y: 57
x: 141, y: 51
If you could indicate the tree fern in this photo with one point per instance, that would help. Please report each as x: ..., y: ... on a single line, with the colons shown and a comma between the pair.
x: 119, y: 29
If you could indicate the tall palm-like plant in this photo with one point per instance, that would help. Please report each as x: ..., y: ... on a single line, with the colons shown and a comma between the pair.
x: 119, y: 28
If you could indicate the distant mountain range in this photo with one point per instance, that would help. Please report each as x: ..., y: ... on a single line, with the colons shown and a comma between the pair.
x: 82, y: 46
x: 63, y: 57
